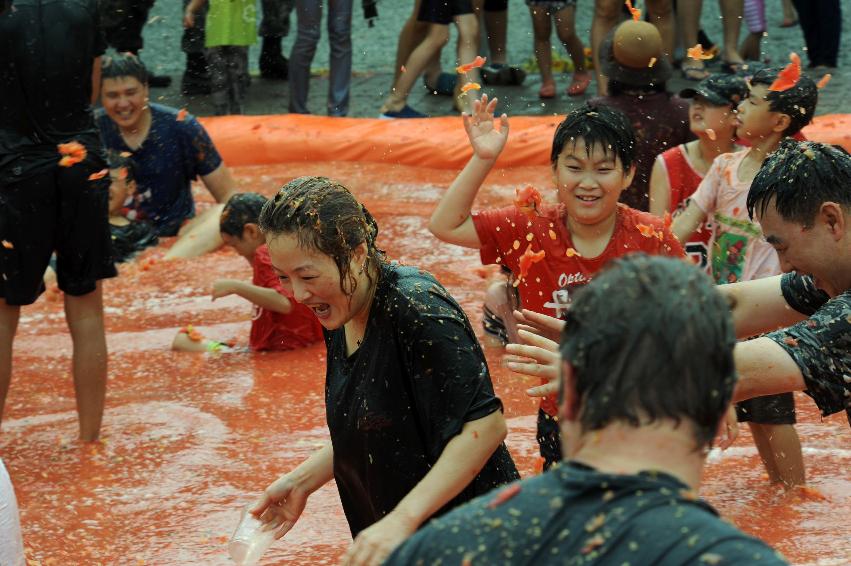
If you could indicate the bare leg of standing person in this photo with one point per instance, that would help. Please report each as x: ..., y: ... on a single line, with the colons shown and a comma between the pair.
x: 607, y: 14
x: 436, y: 37
x: 541, y: 29
x: 780, y: 450
x: 468, y: 48
x: 412, y: 34
x: 85, y: 321
x: 660, y: 13
x: 9, y: 315
x: 565, y: 23
x: 688, y: 18
x: 732, y: 12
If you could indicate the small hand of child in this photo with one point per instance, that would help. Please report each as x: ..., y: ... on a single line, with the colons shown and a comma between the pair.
x: 189, y: 19
x: 223, y: 288
x: 486, y: 140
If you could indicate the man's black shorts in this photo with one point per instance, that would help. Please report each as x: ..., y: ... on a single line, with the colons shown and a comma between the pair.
x: 549, y: 439
x: 770, y: 409
x: 58, y: 210
x: 442, y: 11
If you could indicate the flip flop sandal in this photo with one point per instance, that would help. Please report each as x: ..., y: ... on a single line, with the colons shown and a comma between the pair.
x: 445, y: 85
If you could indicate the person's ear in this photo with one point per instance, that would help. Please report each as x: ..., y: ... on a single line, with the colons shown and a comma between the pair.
x: 359, y: 256
x: 781, y: 122
x: 833, y: 217
x: 251, y: 232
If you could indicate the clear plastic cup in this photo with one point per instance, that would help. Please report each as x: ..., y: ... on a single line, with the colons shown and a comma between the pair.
x: 250, y: 540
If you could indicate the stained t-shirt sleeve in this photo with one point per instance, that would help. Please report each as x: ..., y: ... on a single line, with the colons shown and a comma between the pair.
x: 496, y: 231
x: 801, y: 293
x: 449, y: 377
x: 706, y: 195
x: 205, y: 157
x: 820, y: 345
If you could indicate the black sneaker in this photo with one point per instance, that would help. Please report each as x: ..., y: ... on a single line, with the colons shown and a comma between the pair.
x: 274, y: 68
x: 273, y: 65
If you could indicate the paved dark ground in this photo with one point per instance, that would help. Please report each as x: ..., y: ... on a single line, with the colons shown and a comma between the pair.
x: 375, y: 50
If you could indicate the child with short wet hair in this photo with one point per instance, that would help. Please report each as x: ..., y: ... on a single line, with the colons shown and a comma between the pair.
x: 130, y: 235
x: 678, y: 171
x: 554, y: 248
x: 278, y: 322
x: 739, y: 253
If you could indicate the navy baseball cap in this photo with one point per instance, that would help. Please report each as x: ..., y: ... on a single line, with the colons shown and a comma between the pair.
x: 719, y: 89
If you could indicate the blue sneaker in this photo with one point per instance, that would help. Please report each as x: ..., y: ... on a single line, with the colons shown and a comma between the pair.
x: 406, y: 112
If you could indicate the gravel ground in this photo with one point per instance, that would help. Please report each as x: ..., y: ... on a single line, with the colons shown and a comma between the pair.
x: 375, y: 55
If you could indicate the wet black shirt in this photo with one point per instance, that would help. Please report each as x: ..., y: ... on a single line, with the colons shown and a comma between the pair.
x: 821, y: 344
x: 418, y: 376
x: 47, y: 48
x: 574, y: 514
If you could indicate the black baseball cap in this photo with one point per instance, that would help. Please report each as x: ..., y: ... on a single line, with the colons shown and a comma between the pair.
x: 720, y: 89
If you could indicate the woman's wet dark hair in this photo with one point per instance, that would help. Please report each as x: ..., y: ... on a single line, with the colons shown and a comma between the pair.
x: 326, y: 217
x: 123, y: 65
x: 651, y: 338
x: 798, y: 102
x: 601, y: 126
x: 239, y: 210
x: 798, y: 177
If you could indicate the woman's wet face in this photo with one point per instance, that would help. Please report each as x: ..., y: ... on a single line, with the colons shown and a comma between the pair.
x: 314, y: 280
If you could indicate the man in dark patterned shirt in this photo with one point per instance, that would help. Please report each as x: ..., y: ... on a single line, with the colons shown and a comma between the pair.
x: 802, y: 199
x: 647, y: 374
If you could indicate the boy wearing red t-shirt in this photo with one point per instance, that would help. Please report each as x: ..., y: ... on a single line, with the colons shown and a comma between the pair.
x: 278, y: 322
x: 551, y: 249
x: 678, y: 171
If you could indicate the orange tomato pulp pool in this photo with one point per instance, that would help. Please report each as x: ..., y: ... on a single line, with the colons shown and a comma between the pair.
x: 190, y: 438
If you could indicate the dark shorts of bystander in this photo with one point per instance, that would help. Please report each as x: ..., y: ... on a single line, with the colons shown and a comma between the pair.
x: 770, y: 409
x: 442, y: 11
x: 57, y: 210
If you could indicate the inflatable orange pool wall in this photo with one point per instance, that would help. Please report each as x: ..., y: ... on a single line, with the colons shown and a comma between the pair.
x: 438, y: 143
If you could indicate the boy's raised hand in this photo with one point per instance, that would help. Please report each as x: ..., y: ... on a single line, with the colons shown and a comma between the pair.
x: 487, y: 141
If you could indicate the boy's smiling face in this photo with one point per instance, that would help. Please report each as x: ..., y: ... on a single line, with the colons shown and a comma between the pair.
x: 755, y: 120
x: 589, y: 183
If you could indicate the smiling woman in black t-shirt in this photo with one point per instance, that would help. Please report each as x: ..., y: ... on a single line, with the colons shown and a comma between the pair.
x: 415, y: 426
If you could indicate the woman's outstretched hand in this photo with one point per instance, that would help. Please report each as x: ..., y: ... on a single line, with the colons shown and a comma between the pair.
x: 281, y: 504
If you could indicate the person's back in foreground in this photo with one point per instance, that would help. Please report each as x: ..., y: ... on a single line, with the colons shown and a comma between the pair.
x: 647, y: 375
